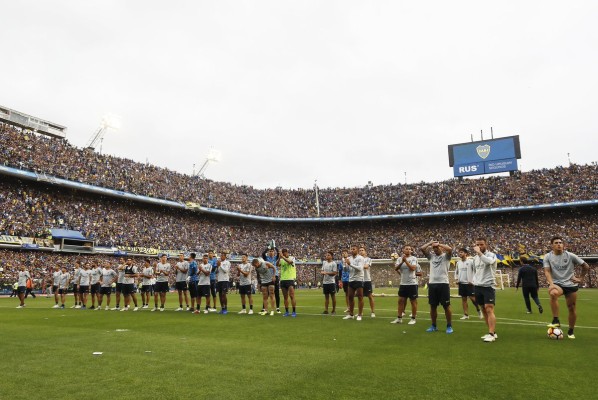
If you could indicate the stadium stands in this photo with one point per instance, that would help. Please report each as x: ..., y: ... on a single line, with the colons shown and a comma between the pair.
x: 58, y: 158
x: 30, y: 209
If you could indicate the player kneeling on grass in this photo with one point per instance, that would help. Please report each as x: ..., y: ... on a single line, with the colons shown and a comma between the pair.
x: 267, y: 276
x: 245, y: 284
x: 288, y: 274
x: 484, y: 281
x: 407, y: 267
x: 559, y: 267
x: 329, y: 271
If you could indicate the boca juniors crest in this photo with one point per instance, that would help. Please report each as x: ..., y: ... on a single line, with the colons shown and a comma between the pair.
x: 483, y: 151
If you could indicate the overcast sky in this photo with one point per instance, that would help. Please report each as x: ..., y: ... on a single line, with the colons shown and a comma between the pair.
x: 344, y: 92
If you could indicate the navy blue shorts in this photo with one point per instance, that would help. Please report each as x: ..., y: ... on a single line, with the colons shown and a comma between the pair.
x: 245, y: 289
x: 345, y: 286
x: 466, y: 290
x: 107, y: 290
x: 408, y: 291
x: 287, y: 284
x: 147, y: 289
x: 128, y: 288
x: 193, y: 289
x: 329, y: 288
x: 485, y: 295
x: 203, y: 291
x: 439, y: 293
x: 160, y: 287
x: 95, y: 288
x: 222, y: 287
x: 567, y: 290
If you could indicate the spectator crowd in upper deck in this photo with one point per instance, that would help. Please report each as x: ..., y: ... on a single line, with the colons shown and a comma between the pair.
x: 58, y: 158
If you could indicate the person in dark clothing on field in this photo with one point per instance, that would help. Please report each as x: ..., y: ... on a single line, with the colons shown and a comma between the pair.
x: 528, y: 278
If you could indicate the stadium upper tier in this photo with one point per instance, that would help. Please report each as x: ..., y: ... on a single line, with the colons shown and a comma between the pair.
x: 30, y: 209
x: 58, y: 158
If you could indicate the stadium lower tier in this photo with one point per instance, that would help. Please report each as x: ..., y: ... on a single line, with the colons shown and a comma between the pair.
x: 31, y: 209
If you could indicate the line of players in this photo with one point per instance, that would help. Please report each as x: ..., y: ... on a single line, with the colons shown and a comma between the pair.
x: 195, y: 280
x: 476, y: 277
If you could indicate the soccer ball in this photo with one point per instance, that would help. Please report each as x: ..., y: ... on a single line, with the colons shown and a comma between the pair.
x: 555, y: 334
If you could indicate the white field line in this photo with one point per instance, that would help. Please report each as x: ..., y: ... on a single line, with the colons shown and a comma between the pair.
x: 473, y: 318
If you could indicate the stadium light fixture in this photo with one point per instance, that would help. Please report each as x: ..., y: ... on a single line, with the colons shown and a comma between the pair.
x: 109, y: 121
x: 213, y: 156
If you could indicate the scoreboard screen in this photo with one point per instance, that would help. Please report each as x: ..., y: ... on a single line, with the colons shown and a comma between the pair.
x: 485, y: 156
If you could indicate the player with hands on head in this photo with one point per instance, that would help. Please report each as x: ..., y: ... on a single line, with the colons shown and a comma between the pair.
x: 438, y: 284
x: 407, y: 266
x: 267, y: 275
x: 288, y: 274
x: 484, y: 281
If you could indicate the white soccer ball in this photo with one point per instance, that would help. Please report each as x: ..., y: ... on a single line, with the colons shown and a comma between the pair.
x: 555, y: 334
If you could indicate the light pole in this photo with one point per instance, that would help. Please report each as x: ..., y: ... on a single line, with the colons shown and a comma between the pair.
x: 109, y: 121
x: 213, y: 156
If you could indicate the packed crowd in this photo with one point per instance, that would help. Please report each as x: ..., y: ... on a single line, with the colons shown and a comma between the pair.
x: 55, y: 157
x: 31, y: 209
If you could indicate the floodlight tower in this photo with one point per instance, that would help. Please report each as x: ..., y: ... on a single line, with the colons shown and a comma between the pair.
x: 109, y: 121
x: 213, y: 156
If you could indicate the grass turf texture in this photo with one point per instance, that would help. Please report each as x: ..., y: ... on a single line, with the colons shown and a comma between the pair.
x: 48, y: 353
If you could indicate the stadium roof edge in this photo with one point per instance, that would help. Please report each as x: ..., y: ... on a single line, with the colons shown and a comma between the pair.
x: 37, y: 177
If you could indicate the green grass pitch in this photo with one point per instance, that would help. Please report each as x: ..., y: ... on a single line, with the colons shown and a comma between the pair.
x: 47, y: 353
